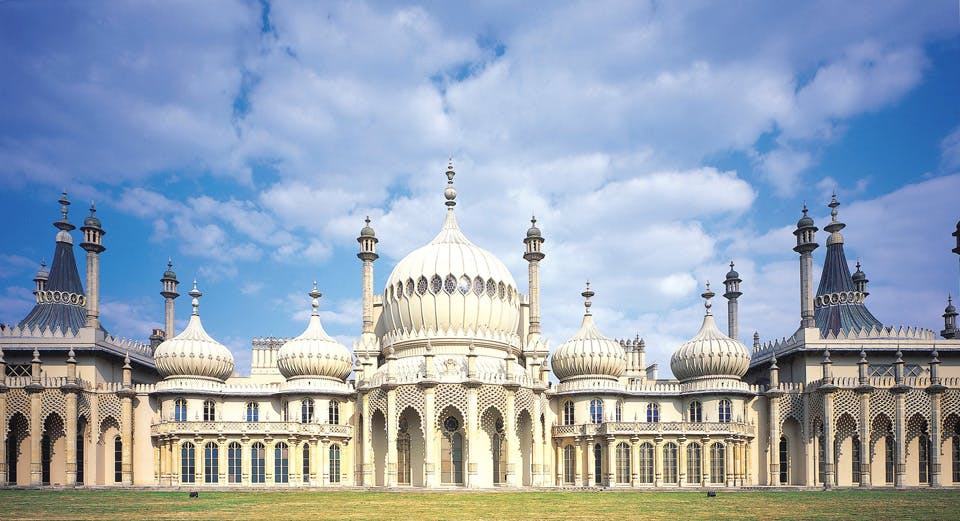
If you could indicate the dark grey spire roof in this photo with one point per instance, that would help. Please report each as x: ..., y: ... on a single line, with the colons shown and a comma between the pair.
x: 846, y: 315
x: 62, y: 314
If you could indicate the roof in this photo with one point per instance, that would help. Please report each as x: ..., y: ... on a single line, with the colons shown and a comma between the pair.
x: 845, y: 314
x: 64, y: 312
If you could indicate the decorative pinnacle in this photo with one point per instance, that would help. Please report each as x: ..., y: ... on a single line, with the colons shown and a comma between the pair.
x: 196, y: 294
x: 36, y: 355
x: 833, y: 206
x: 934, y: 356
x: 315, y: 295
x: 899, y: 356
x: 71, y: 357
x: 126, y: 360
x: 863, y: 356
x: 804, y: 208
x: 64, y: 203
x: 707, y: 295
x: 367, y: 220
x: 587, y: 295
x: 826, y: 357
x: 450, y: 193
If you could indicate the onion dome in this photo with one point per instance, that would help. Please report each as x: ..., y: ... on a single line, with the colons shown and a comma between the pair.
x: 589, y: 354
x: 42, y: 274
x: 170, y: 274
x: 367, y: 231
x: 859, y: 275
x: 805, y: 221
x: 314, y: 354
x: 193, y: 353
x: 732, y: 274
x: 92, y: 221
x: 950, y: 307
x: 533, y: 231
x: 451, y: 287
x: 710, y: 353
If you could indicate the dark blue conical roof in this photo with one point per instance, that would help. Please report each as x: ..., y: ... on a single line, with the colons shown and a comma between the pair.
x: 64, y: 278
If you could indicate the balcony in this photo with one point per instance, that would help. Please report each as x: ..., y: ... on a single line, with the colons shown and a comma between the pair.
x: 690, y: 430
x: 264, y: 428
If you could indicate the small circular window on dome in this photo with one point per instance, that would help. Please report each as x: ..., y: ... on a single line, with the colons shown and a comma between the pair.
x: 451, y: 424
x: 502, y: 290
x: 478, y: 286
x: 409, y: 287
x: 436, y: 284
x: 450, y: 284
x: 491, y: 288
x: 464, y: 284
x: 421, y: 285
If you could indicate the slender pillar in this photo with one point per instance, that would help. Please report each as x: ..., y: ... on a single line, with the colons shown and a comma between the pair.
x: 863, y: 391
x: 806, y: 243
x: 658, y: 461
x: 367, y: 456
x: 34, y: 389
x: 681, y: 460
x: 827, y: 388
x: 3, y: 416
x: 70, y: 391
x: 390, y: 479
x: 93, y: 244
x: 635, y: 461
x: 729, y: 461
x: 367, y: 347
x: 473, y: 435
x: 900, y: 390
x: 169, y: 293
x: 537, y: 477
x: 533, y: 256
x: 578, y: 474
x: 324, y: 447
x: 510, y: 429
x: 126, y: 424
x: 590, y: 462
x: 558, y: 462
x: 732, y: 294
x: 429, y: 436
x: 935, y: 389
x: 773, y: 401
x: 611, y: 461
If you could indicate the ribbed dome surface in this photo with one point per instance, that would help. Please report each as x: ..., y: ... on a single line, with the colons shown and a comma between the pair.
x: 710, y: 353
x: 589, y: 353
x: 193, y: 353
x: 314, y: 354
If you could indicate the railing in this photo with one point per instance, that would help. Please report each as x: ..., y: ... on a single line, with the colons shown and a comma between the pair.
x: 688, y: 429
x: 192, y: 428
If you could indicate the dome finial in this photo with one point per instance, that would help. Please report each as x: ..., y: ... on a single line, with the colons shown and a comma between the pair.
x: 450, y: 193
x: 587, y: 294
x: 707, y: 295
x: 315, y: 295
x: 196, y: 294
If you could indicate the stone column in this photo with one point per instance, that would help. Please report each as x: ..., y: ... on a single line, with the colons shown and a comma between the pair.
x: 611, y: 461
x: 429, y: 437
x: 773, y: 447
x: 36, y: 431
x: 324, y: 448
x: 536, y: 474
x: 657, y: 461
x: 245, y: 455
x: 70, y: 399
x: 473, y: 434
x: 390, y: 480
x: 865, y: 466
x: 578, y: 473
x: 681, y: 460
x: 367, y: 453
x: 510, y: 429
x: 829, y: 477
x: 558, y: 462
x: 126, y: 437
x: 900, y: 435
x: 4, y: 429
x: 635, y: 461
x: 729, y: 461
x: 935, y: 437
x: 590, y: 461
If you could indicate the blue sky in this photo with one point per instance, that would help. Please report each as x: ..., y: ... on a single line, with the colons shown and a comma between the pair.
x: 654, y: 140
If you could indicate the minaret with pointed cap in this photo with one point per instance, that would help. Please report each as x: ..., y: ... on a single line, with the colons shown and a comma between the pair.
x: 860, y: 281
x: 367, y: 254
x: 732, y: 294
x: 949, y: 320
x: 40, y: 281
x: 806, y: 243
x: 533, y: 256
x: 93, y: 244
x: 169, y: 293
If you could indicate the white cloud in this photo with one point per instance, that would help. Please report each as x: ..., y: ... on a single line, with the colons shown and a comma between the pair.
x: 950, y: 150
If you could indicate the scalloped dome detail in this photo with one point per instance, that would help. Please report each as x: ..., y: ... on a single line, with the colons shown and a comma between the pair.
x: 193, y: 353
x: 589, y: 353
x: 314, y: 354
x: 710, y: 353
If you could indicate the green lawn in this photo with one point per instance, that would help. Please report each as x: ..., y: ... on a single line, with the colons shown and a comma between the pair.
x: 565, y: 506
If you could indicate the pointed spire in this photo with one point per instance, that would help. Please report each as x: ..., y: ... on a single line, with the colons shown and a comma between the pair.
x: 707, y: 295
x: 64, y: 223
x: 587, y: 295
x: 450, y: 193
x: 835, y: 225
x: 196, y: 294
x: 315, y: 296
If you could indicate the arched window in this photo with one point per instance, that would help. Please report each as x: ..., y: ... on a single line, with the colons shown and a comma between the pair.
x: 334, y: 463
x: 209, y: 411
x: 188, y: 462
x: 653, y: 413
x: 924, y: 442
x: 821, y: 456
x: 646, y: 463
x: 333, y: 412
x: 451, y: 452
x: 717, y: 460
x: 211, y: 463
x: 623, y: 462
x: 889, y: 457
x: 854, y: 458
x: 694, y: 463
x: 696, y: 412
x: 598, y: 464
x: 568, y: 417
x: 81, y: 427
x: 723, y: 411
x: 596, y: 411
x: 234, y: 462
x: 569, y: 464
x: 117, y: 460
x: 784, y: 460
x: 180, y: 410
x: 956, y: 454
x: 253, y: 412
x: 281, y: 463
x: 306, y: 410
x: 305, y: 464
x: 257, y: 456
x: 670, y: 470
x: 618, y: 411
x: 404, y: 473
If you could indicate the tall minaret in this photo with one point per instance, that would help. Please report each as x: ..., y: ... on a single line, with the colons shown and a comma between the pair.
x: 860, y: 281
x: 368, y: 254
x: 40, y: 281
x: 533, y: 256
x: 732, y: 284
x: 949, y: 320
x: 806, y: 243
x: 169, y: 292
x: 93, y: 244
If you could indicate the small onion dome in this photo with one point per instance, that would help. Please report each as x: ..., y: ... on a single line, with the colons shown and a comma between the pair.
x: 950, y: 308
x: 588, y: 352
x: 42, y: 273
x: 710, y: 353
x: 805, y: 221
x: 732, y: 274
x: 314, y: 354
x: 533, y: 231
x: 859, y: 275
x: 193, y: 353
x: 367, y: 231
x: 169, y: 274
x: 92, y: 221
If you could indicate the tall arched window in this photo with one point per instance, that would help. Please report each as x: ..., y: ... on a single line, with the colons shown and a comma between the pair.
x: 306, y: 410
x: 281, y: 463
x: 188, y: 462
x: 670, y: 470
x: 180, y: 410
x: 333, y: 412
x: 717, y: 460
x: 257, y: 457
x: 623, y: 462
x: 924, y: 442
x: 646, y: 463
x: 253, y: 412
x: 723, y: 411
x: 694, y: 463
x: 618, y: 411
x: 81, y: 461
x: 234, y: 462
x: 956, y: 454
x: 451, y: 452
x: 305, y: 464
x: 596, y: 411
x: 695, y: 412
x: 889, y: 457
x: 117, y: 460
x: 568, y: 417
x: 209, y: 411
x: 334, y: 463
x: 855, y: 459
x: 653, y: 413
x: 598, y: 464
x: 404, y: 473
x: 784, y: 460
x: 211, y: 463
x: 569, y: 464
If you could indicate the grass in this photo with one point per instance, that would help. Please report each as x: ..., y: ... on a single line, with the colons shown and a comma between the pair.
x: 566, y: 506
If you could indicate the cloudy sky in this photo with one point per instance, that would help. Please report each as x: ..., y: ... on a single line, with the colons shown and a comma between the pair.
x: 655, y: 141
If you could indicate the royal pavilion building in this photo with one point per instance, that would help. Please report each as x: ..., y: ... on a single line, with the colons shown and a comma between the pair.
x: 452, y: 384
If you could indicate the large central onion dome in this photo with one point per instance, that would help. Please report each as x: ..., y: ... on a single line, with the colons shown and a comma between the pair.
x: 589, y: 354
x: 192, y: 353
x: 451, y: 287
x: 710, y: 353
x: 314, y: 354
